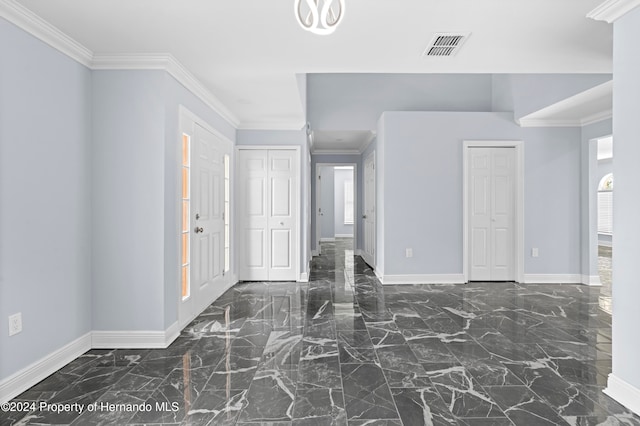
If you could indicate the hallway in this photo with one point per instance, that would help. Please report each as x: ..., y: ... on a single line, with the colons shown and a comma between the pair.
x: 344, y: 350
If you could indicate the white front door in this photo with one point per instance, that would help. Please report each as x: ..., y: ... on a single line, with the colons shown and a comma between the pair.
x: 207, y: 243
x: 491, y: 201
x: 369, y: 216
x: 268, y: 209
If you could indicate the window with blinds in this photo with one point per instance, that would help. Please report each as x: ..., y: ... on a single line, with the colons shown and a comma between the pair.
x: 348, y: 203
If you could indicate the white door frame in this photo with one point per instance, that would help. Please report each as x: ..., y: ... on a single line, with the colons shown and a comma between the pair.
x: 297, y: 189
x: 519, y: 200
x: 187, y: 121
x: 371, y: 262
x: 356, y: 219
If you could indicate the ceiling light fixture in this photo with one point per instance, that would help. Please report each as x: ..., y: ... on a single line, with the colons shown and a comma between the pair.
x: 319, y: 16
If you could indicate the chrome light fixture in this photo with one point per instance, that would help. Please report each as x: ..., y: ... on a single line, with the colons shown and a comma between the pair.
x: 319, y: 16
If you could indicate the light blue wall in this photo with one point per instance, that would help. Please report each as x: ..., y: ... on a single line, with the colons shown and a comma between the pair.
x: 128, y: 200
x: 327, y: 202
x: 532, y: 92
x: 588, y: 195
x: 421, y: 176
x: 340, y: 178
x: 356, y: 101
x: 45, y: 186
x: 626, y: 268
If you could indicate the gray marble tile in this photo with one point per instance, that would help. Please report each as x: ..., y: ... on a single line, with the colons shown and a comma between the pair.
x: 463, y: 394
x: 344, y: 350
x: 366, y: 393
x: 271, y: 397
x: 523, y: 407
x: 422, y: 406
x: 319, y: 406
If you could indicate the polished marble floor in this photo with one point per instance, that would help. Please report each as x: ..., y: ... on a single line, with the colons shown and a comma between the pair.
x: 343, y: 350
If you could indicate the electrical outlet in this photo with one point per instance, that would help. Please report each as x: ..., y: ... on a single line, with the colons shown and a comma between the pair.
x: 534, y: 252
x: 409, y: 252
x: 15, y: 323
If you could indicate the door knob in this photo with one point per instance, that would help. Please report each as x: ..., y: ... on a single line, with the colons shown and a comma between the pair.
x: 199, y: 230
x: 364, y: 216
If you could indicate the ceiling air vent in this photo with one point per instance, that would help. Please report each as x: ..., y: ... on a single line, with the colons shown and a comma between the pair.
x: 445, y: 44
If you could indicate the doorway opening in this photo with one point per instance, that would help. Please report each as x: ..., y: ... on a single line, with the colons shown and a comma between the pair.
x: 605, y: 218
x: 336, y: 204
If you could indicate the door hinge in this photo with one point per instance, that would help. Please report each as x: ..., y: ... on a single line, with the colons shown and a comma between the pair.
x: 223, y: 216
x: 319, y: 177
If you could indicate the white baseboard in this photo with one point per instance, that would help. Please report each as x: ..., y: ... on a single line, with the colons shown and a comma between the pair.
x: 132, y: 339
x: 327, y: 240
x: 591, y: 280
x: 623, y: 392
x: 315, y: 253
x: 553, y: 279
x: 304, y: 277
x: 19, y: 382
x: 344, y: 235
x: 423, y: 279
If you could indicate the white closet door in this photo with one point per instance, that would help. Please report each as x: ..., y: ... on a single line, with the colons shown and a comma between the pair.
x: 282, y: 215
x: 268, y: 214
x: 492, y: 214
x: 253, y: 211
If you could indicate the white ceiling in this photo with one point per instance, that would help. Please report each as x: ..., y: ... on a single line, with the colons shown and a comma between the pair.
x: 248, y: 52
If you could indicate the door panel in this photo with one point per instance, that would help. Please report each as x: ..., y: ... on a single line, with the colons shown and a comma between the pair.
x: 280, y: 243
x: 254, y: 247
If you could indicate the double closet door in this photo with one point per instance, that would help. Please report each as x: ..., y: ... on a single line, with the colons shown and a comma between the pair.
x: 268, y: 214
x: 491, y: 200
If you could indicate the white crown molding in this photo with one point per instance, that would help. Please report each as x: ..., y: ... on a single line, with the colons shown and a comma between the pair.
x: 545, y: 122
x: 28, y: 21
x: 595, y: 118
x: 611, y: 10
x: 17, y: 383
x: 25, y: 19
x: 166, y: 62
x: 585, y: 121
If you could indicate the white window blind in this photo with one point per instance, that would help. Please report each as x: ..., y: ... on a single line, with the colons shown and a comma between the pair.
x: 348, y: 203
x: 605, y: 212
